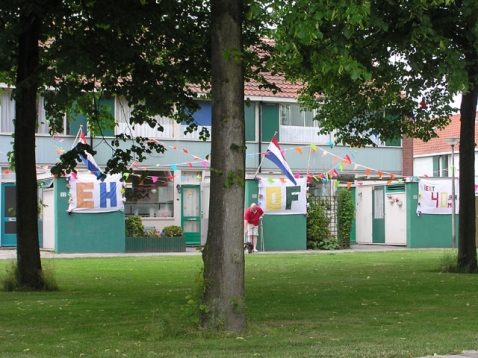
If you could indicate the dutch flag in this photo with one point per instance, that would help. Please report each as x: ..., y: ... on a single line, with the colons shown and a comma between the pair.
x: 88, y: 159
x: 274, y: 154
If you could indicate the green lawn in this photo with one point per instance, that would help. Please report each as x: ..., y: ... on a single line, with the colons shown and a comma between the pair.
x: 371, y: 304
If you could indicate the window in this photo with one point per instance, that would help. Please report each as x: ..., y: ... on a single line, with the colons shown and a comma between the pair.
x: 123, y: 114
x: 150, y: 195
x: 440, y: 166
x: 297, y: 126
x: 7, y: 112
x: 202, y: 117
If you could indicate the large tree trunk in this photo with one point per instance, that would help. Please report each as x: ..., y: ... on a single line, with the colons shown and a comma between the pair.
x: 223, y: 255
x: 28, y: 249
x: 467, y: 226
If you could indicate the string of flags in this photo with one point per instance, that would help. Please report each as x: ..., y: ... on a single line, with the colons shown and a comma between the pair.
x: 339, y: 163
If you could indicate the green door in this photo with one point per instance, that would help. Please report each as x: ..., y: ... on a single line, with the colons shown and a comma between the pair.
x: 191, y: 213
x: 9, y: 220
x: 378, y: 212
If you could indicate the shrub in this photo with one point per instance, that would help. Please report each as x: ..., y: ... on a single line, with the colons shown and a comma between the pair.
x: 173, y: 230
x: 345, y: 217
x: 9, y: 281
x: 317, y: 225
x: 134, y: 226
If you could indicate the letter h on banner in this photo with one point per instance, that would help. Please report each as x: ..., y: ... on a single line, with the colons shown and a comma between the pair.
x: 106, y: 194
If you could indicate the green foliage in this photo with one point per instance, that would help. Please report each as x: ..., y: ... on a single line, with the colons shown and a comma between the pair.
x: 9, y: 282
x: 318, y: 233
x: 345, y: 217
x: 134, y: 226
x: 173, y: 230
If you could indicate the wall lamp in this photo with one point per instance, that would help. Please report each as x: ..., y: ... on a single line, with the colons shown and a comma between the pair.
x: 178, y: 188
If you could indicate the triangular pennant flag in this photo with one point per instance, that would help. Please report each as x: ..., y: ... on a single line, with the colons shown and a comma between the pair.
x: 337, y: 184
x: 270, y: 180
x: 175, y: 147
x: 282, y: 180
x: 174, y: 167
x: 335, y: 158
x: 313, y: 147
x: 190, y: 165
x: 185, y: 151
x: 356, y: 166
x: 297, y: 175
x: 389, y: 182
x: 298, y: 149
x: 367, y: 171
x: 380, y: 174
x: 392, y: 176
x: 349, y: 184
x: 341, y: 168
x: 324, y: 154
x: 346, y: 160
x: 154, y: 179
x: 195, y: 158
x: 204, y: 163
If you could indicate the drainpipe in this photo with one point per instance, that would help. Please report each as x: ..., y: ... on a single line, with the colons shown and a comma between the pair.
x: 260, y: 137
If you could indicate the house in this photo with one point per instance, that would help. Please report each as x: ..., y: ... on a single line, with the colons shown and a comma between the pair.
x: 176, y: 189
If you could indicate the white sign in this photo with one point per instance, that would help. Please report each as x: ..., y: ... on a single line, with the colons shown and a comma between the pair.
x: 434, y: 196
x: 90, y: 195
x: 282, y: 197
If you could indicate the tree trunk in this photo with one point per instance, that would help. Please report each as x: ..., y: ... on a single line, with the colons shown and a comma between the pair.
x: 467, y: 225
x: 28, y: 248
x: 223, y: 255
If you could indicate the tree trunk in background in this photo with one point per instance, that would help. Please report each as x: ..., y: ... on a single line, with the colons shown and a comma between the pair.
x: 467, y: 224
x: 28, y: 248
x: 223, y: 255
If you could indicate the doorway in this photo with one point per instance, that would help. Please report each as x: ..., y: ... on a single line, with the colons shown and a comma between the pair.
x: 9, y: 213
x: 378, y: 214
x: 191, y: 213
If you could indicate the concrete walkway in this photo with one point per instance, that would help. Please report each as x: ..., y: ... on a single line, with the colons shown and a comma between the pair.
x: 11, y: 253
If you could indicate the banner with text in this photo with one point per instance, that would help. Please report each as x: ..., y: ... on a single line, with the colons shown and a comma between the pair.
x: 282, y: 197
x: 90, y: 195
x: 434, y: 196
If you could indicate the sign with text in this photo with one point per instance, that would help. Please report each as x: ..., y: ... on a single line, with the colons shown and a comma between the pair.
x: 434, y: 196
x: 282, y: 197
x: 90, y: 195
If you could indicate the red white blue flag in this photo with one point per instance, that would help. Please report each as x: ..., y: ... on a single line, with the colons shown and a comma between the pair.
x: 275, y: 155
x: 88, y: 158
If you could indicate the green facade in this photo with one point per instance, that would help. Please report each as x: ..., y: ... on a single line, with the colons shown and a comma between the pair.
x: 279, y: 232
x: 85, y: 233
x: 426, y: 230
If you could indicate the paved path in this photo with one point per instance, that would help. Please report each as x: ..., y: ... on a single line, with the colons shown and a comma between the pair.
x: 11, y: 253
x: 467, y: 354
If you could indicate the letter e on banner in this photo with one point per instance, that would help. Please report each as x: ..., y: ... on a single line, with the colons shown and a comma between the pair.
x: 84, y: 195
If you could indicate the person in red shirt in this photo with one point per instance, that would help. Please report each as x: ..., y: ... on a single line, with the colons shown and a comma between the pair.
x: 252, y: 219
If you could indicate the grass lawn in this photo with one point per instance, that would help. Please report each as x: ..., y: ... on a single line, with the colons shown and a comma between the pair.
x: 370, y: 304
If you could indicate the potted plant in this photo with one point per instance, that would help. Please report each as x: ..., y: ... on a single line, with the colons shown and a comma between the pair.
x: 170, y: 239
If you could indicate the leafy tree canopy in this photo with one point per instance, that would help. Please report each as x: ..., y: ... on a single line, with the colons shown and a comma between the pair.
x: 379, y: 67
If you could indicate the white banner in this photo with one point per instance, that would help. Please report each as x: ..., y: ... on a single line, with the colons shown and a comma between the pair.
x: 90, y: 195
x: 434, y: 196
x: 282, y: 197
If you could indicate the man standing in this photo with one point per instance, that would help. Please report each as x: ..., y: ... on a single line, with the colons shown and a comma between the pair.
x: 252, y: 219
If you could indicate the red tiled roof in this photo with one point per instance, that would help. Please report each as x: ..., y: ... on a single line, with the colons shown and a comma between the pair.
x: 438, y: 145
x: 288, y: 90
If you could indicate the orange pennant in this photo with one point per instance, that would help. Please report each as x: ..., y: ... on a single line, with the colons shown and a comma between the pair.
x: 380, y: 174
x: 349, y: 184
x: 185, y: 151
x: 298, y: 149
x: 335, y: 158
x: 392, y: 176
x: 367, y: 171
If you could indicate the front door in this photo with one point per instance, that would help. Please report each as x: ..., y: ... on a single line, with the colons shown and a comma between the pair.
x: 191, y: 213
x: 378, y: 212
x: 9, y: 213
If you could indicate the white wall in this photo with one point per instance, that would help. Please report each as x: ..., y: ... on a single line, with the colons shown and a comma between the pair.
x: 396, y: 220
